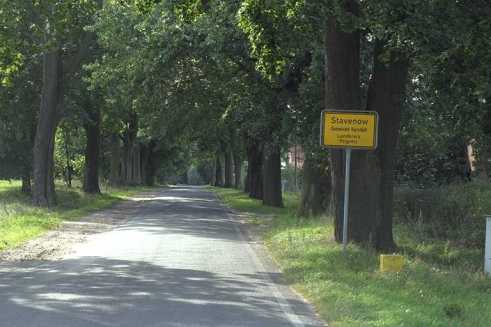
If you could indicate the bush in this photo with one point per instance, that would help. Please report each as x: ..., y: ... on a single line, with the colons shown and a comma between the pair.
x: 453, y: 212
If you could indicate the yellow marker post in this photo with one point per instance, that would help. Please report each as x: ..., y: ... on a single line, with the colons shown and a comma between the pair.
x: 349, y: 130
x: 391, y: 263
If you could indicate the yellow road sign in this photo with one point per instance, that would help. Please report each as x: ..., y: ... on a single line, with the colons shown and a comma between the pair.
x: 349, y: 129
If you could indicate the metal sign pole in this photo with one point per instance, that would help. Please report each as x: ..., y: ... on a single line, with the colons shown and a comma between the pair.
x: 346, y: 197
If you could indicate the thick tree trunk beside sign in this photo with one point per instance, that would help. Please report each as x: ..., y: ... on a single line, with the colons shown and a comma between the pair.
x: 343, y: 93
x: 372, y: 172
x: 386, y: 95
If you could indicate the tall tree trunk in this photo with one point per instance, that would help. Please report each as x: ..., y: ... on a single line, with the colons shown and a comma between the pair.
x: 386, y: 95
x: 272, y: 193
x: 213, y: 174
x: 316, y: 191
x: 237, y: 170
x: 218, y: 171
x: 228, y: 169
x: 115, y: 161
x: 137, y: 171
x: 343, y: 93
x: 49, y: 115
x: 254, y: 170
x: 92, y: 150
x: 148, y: 163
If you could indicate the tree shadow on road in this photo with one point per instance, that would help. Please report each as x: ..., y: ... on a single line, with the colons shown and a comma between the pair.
x: 95, y: 291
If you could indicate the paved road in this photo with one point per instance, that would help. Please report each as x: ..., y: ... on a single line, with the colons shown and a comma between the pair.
x: 181, y: 260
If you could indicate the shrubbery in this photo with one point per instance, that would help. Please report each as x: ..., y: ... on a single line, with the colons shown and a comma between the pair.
x: 454, y: 212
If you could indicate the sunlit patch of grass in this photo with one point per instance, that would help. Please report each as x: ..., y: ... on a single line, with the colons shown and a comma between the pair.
x: 441, y: 285
x: 21, y: 221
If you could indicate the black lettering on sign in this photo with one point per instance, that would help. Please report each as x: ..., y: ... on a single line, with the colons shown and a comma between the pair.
x: 348, y: 121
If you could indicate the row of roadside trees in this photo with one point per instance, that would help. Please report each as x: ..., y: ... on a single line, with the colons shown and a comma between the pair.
x: 157, y: 84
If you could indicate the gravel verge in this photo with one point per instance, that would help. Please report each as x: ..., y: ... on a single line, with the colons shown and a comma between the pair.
x: 56, y: 244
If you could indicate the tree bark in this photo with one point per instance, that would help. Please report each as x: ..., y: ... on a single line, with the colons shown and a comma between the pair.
x: 386, y: 95
x: 137, y: 169
x: 43, y: 193
x: 148, y: 163
x: 218, y: 171
x: 316, y: 192
x: 272, y: 193
x: 213, y: 178
x: 237, y: 170
x: 115, y: 161
x: 254, y: 183
x: 92, y: 150
x: 343, y: 93
x: 228, y: 169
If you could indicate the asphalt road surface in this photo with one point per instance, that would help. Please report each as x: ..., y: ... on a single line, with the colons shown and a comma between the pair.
x: 182, y: 259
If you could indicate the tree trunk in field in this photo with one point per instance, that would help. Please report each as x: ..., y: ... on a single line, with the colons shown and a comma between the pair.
x: 272, y: 193
x: 343, y: 93
x: 255, y: 171
x: 386, y: 95
x: 92, y: 149
x: 43, y: 193
x: 228, y: 169
x: 316, y: 191
x: 115, y: 161
x: 218, y: 172
x: 237, y: 170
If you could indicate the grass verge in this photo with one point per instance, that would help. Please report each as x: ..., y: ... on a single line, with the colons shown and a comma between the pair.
x: 20, y: 221
x: 348, y: 290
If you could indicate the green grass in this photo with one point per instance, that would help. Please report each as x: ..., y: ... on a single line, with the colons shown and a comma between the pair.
x: 441, y: 285
x: 20, y: 221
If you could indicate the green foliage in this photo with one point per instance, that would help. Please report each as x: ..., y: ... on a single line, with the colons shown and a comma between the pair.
x: 454, y: 212
x: 18, y: 103
x: 69, y: 151
x: 29, y: 29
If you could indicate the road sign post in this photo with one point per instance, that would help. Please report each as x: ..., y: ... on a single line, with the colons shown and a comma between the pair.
x: 487, y: 251
x: 346, y: 196
x: 348, y: 130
